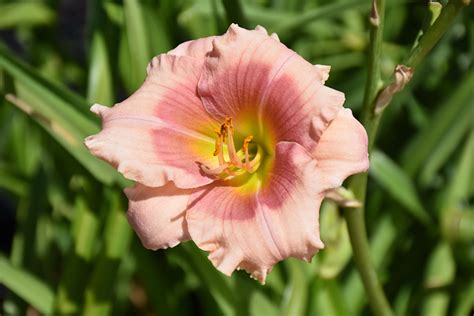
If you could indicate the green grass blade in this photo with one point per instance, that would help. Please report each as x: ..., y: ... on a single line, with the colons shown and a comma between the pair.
x: 458, y: 188
x: 71, y: 288
x: 447, y: 145
x: 296, y: 297
x: 441, y: 267
x: 99, y: 294
x: 301, y: 20
x: 464, y: 301
x: 159, y: 286
x: 457, y: 105
x: 25, y: 73
x: 440, y: 273
x: 338, y: 251
x: 137, y: 39
x: 457, y: 223
x: 12, y: 182
x: 159, y: 36
x: 381, y: 247
x: 100, y: 83
x: 25, y: 13
x: 27, y: 286
x: 393, y: 178
x: 235, y: 12
x: 218, y: 285
x: 262, y: 305
x: 56, y: 115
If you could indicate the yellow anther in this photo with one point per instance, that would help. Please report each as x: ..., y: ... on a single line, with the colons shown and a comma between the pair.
x: 228, y: 124
x: 245, y: 145
x: 218, y: 146
x: 226, y: 128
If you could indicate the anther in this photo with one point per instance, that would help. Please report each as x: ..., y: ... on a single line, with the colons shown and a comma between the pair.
x: 235, y: 166
x: 245, y: 149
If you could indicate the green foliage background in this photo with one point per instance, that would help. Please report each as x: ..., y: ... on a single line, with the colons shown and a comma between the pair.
x: 66, y: 245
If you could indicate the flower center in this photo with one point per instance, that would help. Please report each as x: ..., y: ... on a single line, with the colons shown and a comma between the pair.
x: 237, y: 162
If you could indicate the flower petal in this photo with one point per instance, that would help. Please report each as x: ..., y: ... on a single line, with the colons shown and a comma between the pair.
x: 162, y: 131
x: 158, y: 214
x: 249, y: 73
x: 342, y: 149
x: 195, y: 48
x: 255, y: 230
x: 323, y: 72
x: 264, y: 31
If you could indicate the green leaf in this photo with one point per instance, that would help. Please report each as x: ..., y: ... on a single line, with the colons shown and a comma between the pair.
x: 464, y: 300
x: 439, y: 274
x: 27, y: 286
x: 158, y: 34
x: 56, y: 114
x: 100, y: 292
x: 157, y: 285
x: 441, y: 267
x: 448, y: 115
x: 76, y: 271
x: 436, y: 304
x: 260, y: 304
x: 137, y: 43
x: 381, y: 249
x: 327, y: 299
x: 235, y: 12
x: 447, y: 145
x: 392, y: 177
x: 218, y: 285
x: 296, y: 297
x: 25, y: 13
x: 458, y: 187
x: 334, y: 233
x: 12, y: 182
x: 458, y: 222
x: 330, y: 10
x: 114, y: 12
x: 100, y: 84
x: 24, y: 143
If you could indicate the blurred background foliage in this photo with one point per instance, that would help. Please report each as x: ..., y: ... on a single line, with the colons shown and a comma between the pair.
x: 66, y: 247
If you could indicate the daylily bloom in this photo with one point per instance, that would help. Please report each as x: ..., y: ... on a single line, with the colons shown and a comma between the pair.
x: 233, y: 142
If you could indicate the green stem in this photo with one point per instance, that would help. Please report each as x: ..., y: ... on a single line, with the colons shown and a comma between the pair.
x: 358, y: 183
x: 434, y: 33
x: 370, y: 119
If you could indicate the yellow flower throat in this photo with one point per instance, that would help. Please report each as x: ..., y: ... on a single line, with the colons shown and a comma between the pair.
x: 238, y: 162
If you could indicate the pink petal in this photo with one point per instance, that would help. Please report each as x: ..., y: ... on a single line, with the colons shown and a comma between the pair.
x: 158, y: 215
x: 195, y: 48
x: 250, y: 74
x: 323, y: 72
x: 162, y: 132
x: 255, y: 227
x: 342, y: 149
x: 264, y: 31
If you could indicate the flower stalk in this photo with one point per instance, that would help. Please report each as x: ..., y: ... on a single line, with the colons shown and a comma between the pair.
x: 370, y: 118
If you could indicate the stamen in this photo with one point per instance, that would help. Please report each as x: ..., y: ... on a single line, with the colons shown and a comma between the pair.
x: 215, y: 171
x: 254, y: 162
x: 218, y: 150
x: 235, y: 166
x: 245, y: 149
x: 229, y: 128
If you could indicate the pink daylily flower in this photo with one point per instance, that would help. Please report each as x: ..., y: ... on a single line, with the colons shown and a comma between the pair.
x: 233, y: 141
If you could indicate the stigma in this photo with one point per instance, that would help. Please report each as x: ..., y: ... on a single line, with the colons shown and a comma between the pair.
x: 232, y: 162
